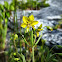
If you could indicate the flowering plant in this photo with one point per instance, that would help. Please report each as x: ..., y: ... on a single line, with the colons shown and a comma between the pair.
x: 28, y: 22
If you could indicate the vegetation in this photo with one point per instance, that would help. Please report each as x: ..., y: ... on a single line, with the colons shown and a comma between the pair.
x: 5, y: 12
x: 31, y: 4
x: 24, y: 47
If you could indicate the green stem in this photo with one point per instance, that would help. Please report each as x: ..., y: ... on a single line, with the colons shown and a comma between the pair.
x: 15, y: 46
x: 32, y: 43
x: 38, y: 40
x: 33, y: 54
x: 21, y: 55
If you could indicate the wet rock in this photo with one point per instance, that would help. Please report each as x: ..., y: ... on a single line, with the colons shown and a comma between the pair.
x: 47, y: 17
x: 49, y: 11
x: 54, y: 17
x: 53, y: 37
x: 57, y: 3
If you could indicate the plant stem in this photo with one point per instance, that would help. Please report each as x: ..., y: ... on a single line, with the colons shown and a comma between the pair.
x: 15, y: 46
x: 21, y: 55
x: 33, y: 54
x: 32, y: 43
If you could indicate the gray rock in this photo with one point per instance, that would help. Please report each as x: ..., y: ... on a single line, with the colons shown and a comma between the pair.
x: 49, y: 11
x: 57, y: 3
x: 55, y: 37
x: 48, y: 17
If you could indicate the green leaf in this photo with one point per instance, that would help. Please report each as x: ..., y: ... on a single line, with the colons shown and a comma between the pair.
x: 6, y: 20
x: 23, y: 57
x: 8, y: 7
x: 55, y: 60
x: 25, y: 41
x: 3, y: 45
x: 8, y: 14
x: 59, y: 46
x: 59, y: 54
x: 38, y: 40
x: 6, y: 4
x: 3, y: 15
x: 11, y: 7
x: 1, y: 7
x: 14, y: 1
x: 40, y: 26
x: 1, y: 20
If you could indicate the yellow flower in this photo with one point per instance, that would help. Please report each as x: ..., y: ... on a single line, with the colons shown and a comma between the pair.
x: 48, y: 27
x: 38, y: 30
x: 37, y: 34
x: 28, y: 22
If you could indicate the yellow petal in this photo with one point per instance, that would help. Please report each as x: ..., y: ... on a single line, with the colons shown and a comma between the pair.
x: 23, y: 25
x: 51, y: 29
x: 31, y: 18
x: 33, y: 27
x: 34, y: 22
x: 25, y: 19
x: 37, y: 34
x: 39, y: 29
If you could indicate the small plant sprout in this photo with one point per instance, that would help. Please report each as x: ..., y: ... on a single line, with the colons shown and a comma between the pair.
x: 15, y: 36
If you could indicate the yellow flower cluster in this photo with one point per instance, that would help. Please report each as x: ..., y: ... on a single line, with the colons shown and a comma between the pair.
x: 38, y: 30
x: 28, y: 22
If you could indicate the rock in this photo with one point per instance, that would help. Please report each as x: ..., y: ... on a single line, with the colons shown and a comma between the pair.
x: 54, y: 37
x: 45, y: 22
x: 47, y: 17
x: 57, y: 3
x: 49, y: 11
x: 54, y: 17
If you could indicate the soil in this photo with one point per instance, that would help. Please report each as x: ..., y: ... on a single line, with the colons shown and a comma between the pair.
x: 2, y: 57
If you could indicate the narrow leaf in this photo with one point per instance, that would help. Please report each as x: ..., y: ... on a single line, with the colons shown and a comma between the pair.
x: 32, y: 37
x: 59, y: 46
